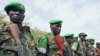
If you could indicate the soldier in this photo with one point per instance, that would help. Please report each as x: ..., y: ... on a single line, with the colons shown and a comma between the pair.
x: 75, y: 39
x: 17, y: 35
x: 55, y: 26
x: 68, y: 45
x: 81, y: 47
x: 98, y: 49
x: 74, y: 44
x: 87, y: 43
x: 92, y: 48
x: 46, y: 46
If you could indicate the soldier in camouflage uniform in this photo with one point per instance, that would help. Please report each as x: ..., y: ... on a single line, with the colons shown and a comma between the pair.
x: 16, y: 12
x: 46, y: 44
x: 68, y: 45
x: 90, y: 50
x: 74, y: 44
x: 75, y: 41
x: 87, y: 42
x: 55, y: 26
x: 81, y: 47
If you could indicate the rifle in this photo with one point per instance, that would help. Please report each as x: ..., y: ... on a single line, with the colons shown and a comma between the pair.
x: 16, y: 34
x: 21, y: 50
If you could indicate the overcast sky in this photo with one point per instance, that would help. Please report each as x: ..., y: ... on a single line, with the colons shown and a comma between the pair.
x: 77, y: 15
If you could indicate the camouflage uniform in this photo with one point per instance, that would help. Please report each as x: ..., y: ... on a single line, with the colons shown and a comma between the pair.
x: 69, y: 51
x: 90, y: 50
x: 26, y: 39
x: 81, y: 47
x: 68, y: 46
x: 4, y: 39
x: 74, y: 44
x: 49, y: 45
x: 53, y: 46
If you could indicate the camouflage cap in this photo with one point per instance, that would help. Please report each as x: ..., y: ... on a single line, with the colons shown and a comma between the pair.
x: 69, y: 35
x: 98, y: 43
x: 82, y: 33
x: 14, y: 5
x: 55, y: 21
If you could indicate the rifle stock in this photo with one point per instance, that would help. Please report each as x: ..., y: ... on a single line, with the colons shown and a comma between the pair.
x: 21, y: 50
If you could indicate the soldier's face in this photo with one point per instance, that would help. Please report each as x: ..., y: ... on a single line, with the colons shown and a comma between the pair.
x: 82, y: 37
x: 87, y: 43
x: 98, y: 46
x: 92, y: 42
x: 16, y: 16
x: 69, y: 40
x: 56, y: 28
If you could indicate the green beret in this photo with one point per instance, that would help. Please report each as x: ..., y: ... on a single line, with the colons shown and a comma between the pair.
x: 15, y: 5
x: 70, y: 35
x: 55, y: 21
x: 92, y: 39
x: 89, y: 39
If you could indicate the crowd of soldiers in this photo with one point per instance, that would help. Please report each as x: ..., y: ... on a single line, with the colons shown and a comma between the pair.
x: 17, y: 40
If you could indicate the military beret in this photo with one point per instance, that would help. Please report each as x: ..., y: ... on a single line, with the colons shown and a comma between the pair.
x: 87, y: 40
x: 69, y: 35
x: 55, y: 21
x: 92, y: 39
x: 15, y: 5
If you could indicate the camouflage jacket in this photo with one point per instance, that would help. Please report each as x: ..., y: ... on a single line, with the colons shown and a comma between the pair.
x: 49, y: 45
x: 90, y: 51
x: 81, y: 49
x: 26, y: 39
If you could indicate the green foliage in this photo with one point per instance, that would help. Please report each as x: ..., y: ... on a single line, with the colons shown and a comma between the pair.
x: 2, y: 17
x: 37, y: 33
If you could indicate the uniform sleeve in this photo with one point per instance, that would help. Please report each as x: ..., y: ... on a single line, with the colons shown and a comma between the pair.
x: 42, y: 44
